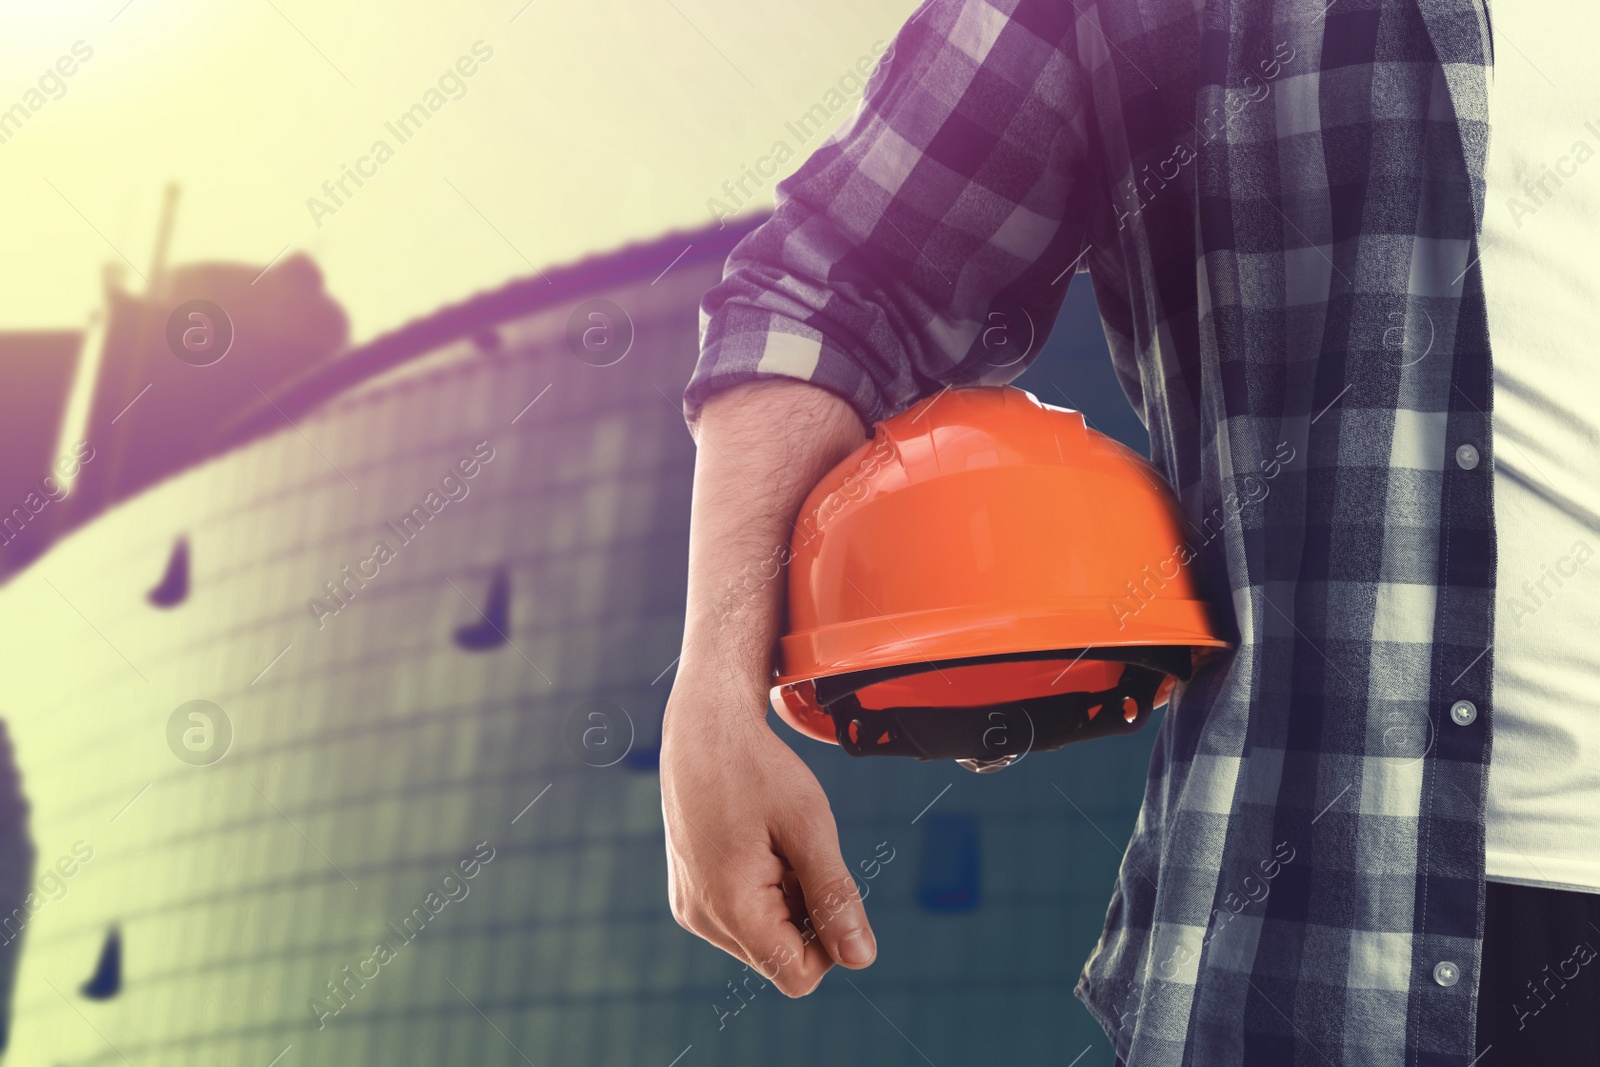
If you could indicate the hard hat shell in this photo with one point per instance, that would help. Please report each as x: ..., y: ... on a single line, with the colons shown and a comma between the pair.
x: 983, y: 551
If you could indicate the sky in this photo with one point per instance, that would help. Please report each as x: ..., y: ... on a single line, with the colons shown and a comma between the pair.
x: 552, y: 130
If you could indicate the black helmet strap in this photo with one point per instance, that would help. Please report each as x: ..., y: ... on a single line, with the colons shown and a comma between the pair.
x: 988, y: 732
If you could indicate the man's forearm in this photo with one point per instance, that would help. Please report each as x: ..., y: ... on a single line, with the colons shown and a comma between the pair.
x: 752, y: 846
x: 762, y: 447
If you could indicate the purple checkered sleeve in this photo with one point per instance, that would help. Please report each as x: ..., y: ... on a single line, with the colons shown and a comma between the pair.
x: 930, y: 239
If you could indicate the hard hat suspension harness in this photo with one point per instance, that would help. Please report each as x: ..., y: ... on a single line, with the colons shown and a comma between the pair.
x: 996, y: 731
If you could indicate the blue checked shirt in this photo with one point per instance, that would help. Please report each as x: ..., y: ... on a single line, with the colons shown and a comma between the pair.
x: 1279, y: 204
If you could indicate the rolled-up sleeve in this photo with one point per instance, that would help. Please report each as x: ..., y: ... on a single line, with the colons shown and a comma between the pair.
x: 929, y: 241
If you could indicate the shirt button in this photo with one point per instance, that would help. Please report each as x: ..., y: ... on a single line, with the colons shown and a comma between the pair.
x: 1466, y: 457
x: 1446, y: 973
x: 1463, y: 712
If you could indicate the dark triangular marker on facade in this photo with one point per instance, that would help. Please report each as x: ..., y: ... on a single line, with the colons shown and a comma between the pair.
x: 17, y: 853
x: 647, y: 758
x: 106, y: 981
x: 494, y: 629
x: 173, y: 589
x: 644, y: 759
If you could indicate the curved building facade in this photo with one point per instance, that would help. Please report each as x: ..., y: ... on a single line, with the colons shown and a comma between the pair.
x: 339, y: 747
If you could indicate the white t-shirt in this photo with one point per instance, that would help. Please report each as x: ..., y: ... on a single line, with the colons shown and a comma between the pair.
x: 1541, y: 264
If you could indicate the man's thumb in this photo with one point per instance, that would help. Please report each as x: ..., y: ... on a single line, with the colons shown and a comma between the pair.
x: 838, y: 917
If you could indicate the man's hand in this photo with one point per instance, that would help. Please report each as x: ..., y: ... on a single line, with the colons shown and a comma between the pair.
x: 752, y: 853
x: 753, y: 860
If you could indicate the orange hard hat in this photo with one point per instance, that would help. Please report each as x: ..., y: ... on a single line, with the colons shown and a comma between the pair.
x: 987, y: 576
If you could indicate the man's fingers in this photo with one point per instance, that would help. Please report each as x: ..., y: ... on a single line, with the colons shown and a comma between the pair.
x: 772, y: 944
x: 794, y: 897
x: 838, y: 918
x: 766, y: 884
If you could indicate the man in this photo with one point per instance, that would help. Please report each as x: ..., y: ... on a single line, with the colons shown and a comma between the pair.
x: 1302, y: 237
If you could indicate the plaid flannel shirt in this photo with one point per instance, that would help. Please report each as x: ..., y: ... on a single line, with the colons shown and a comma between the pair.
x: 1278, y: 202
